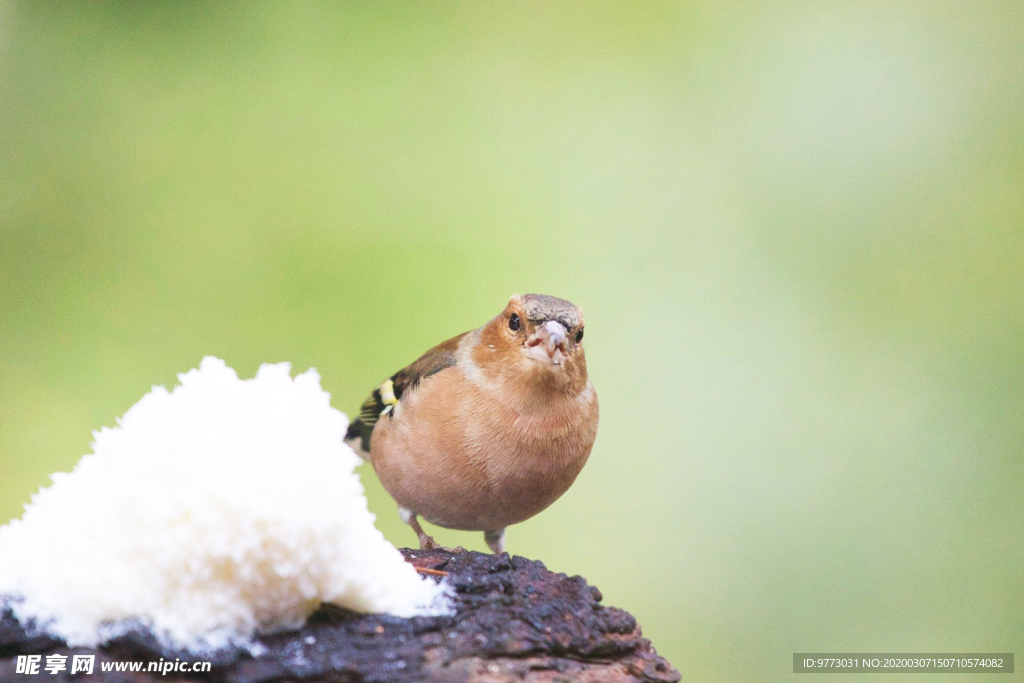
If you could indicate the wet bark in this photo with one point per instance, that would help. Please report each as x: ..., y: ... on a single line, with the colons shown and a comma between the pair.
x: 514, y: 621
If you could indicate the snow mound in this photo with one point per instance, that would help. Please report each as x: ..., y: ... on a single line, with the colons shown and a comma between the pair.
x: 210, y: 512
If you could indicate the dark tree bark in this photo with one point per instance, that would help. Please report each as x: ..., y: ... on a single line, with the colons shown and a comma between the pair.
x: 514, y: 621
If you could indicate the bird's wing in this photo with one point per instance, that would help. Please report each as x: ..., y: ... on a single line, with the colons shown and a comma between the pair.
x: 385, y: 397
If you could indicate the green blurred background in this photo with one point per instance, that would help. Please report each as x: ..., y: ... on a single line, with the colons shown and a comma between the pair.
x: 796, y: 230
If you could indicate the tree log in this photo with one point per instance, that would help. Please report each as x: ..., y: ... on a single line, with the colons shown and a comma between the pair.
x: 514, y: 621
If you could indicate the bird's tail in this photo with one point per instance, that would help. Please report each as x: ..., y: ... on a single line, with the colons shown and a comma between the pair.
x: 358, y: 437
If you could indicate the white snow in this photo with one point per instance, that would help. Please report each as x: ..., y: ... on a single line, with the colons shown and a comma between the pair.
x: 210, y: 512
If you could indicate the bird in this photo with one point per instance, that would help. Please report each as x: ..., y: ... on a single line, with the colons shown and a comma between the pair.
x: 488, y: 428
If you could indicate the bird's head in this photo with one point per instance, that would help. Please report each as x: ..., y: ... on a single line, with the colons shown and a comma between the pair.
x: 537, y: 339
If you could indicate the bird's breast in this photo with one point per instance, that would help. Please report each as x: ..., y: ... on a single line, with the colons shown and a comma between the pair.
x: 462, y: 456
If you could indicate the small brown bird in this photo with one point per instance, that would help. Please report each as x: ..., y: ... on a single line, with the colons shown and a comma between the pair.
x: 488, y: 428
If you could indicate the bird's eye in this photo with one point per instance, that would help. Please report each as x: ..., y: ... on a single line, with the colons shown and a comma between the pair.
x: 579, y: 336
x: 513, y: 322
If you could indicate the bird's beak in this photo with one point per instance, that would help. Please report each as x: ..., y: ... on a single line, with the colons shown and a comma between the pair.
x: 547, y: 344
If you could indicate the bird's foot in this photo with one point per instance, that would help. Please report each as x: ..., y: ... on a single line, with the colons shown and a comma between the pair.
x: 495, y: 540
x: 427, y: 542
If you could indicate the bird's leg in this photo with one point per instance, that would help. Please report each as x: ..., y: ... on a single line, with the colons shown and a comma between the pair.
x: 495, y: 540
x: 426, y: 542
x: 409, y: 517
